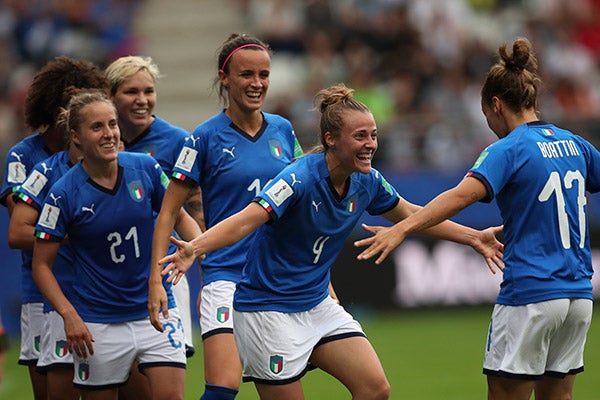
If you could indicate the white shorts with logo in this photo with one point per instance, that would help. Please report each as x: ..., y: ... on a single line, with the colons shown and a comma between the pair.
x: 117, y: 345
x: 53, y: 345
x: 32, y: 326
x: 216, y: 308
x: 537, y: 340
x: 181, y: 292
x: 275, y: 347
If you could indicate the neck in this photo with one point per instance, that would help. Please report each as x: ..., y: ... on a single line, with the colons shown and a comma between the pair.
x: 130, y: 132
x: 248, y: 122
x: 103, y: 173
x: 525, y: 116
x: 337, y: 174
x: 54, y: 139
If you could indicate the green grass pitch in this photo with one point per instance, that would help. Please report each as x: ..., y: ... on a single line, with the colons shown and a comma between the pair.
x: 427, y: 354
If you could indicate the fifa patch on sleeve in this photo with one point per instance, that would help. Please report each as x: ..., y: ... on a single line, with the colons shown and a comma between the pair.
x: 482, y: 157
x: 49, y: 216
x: 279, y: 192
x: 186, y: 159
x: 16, y: 172
x: 35, y: 183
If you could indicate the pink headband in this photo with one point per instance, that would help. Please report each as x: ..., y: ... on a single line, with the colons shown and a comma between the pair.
x: 239, y: 48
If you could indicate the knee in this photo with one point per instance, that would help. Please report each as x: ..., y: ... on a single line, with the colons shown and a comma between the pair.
x: 379, y: 390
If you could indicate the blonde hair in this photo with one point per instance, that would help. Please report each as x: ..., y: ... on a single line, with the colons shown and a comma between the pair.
x: 71, y: 115
x: 125, y: 67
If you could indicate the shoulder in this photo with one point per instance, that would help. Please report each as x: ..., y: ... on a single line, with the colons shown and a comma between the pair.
x: 133, y: 160
x: 217, y: 122
x: 278, y: 121
x: 165, y: 126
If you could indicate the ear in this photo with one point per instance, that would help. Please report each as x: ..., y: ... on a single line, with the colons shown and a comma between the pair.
x: 224, y: 79
x: 496, y: 104
x: 75, y: 138
x: 329, y: 140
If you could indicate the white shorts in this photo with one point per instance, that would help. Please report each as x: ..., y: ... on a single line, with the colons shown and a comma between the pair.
x: 53, y: 345
x: 117, y: 345
x: 275, y: 347
x: 32, y: 326
x: 216, y: 308
x: 537, y: 340
x: 181, y: 292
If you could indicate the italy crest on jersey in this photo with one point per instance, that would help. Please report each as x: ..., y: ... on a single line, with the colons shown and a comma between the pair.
x: 84, y: 371
x: 60, y: 348
x: 223, y: 314
x: 276, y: 364
x: 275, y: 146
x: 351, y: 205
x: 135, y: 190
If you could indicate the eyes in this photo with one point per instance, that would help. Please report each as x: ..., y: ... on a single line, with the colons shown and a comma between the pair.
x: 99, y: 125
x: 361, y: 135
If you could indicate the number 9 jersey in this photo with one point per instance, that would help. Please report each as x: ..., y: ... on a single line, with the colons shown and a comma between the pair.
x: 538, y: 175
x: 110, y: 232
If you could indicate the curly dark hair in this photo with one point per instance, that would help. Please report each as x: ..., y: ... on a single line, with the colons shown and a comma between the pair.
x: 48, y: 91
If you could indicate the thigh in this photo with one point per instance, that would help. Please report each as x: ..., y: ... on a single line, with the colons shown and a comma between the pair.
x: 166, y: 382
x: 222, y: 364
x: 354, y: 362
x: 551, y: 388
x: 60, y: 384
x: 291, y: 391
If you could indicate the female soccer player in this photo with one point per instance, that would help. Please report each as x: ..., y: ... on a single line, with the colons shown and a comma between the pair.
x: 46, y: 95
x: 132, y: 89
x: 285, y: 319
x: 105, y: 205
x: 232, y: 156
x: 538, y: 174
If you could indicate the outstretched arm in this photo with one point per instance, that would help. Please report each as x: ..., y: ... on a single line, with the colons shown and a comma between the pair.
x: 227, y: 232
x: 431, y: 221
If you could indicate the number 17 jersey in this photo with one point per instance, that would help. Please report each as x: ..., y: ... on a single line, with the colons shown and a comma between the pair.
x: 539, y: 174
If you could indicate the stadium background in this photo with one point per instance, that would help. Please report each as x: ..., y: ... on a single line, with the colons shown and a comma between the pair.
x: 418, y: 64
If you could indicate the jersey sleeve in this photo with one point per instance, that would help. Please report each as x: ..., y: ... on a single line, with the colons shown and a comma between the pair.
x: 15, y: 173
x: 385, y: 195
x: 35, y: 188
x: 54, y: 217
x: 280, y: 193
x: 592, y: 156
x: 187, y: 168
x: 493, y: 168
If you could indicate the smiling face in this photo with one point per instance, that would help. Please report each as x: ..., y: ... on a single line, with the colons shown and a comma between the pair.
x: 135, y: 100
x: 247, y: 81
x: 355, y: 146
x: 98, y: 133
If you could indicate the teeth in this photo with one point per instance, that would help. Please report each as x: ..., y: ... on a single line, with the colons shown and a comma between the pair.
x: 254, y: 94
x: 139, y: 111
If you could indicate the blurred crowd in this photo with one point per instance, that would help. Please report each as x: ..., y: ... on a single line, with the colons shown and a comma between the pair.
x: 34, y: 31
x: 418, y: 64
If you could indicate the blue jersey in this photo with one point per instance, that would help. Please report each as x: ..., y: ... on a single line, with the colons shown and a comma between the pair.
x: 19, y: 161
x: 539, y: 175
x: 231, y: 168
x: 161, y: 140
x: 289, y: 261
x: 110, y: 231
x: 33, y: 192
